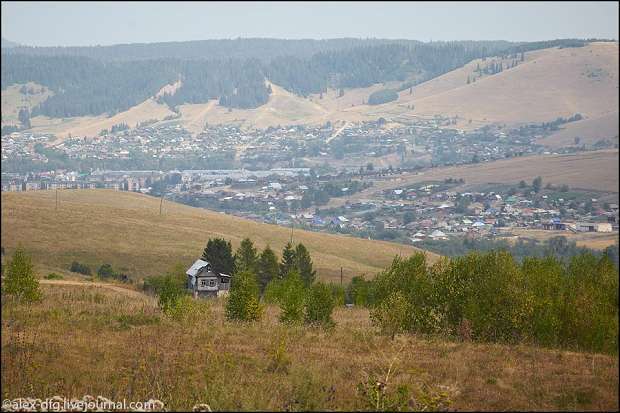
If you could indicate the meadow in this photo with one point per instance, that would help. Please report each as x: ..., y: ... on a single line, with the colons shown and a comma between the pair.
x: 87, y: 340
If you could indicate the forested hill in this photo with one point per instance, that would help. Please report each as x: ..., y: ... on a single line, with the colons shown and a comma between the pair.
x: 97, y: 80
x: 252, y: 48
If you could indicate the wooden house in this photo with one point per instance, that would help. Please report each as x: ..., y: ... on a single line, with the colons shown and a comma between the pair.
x: 202, y: 281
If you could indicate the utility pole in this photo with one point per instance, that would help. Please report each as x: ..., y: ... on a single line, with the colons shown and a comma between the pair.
x: 292, y: 225
x: 341, y: 276
x: 56, y: 199
x: 161, y: 202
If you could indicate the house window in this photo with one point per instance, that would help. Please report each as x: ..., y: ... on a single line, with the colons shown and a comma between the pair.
x: 224, y: 280
x: 203, y: 282
x: 211, y: 283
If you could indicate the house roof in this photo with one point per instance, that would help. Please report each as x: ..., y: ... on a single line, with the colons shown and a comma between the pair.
x: 196, y: 267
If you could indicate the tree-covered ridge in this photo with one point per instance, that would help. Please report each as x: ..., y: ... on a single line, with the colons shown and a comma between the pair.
x: 89, y: 86
x: 248, y: 48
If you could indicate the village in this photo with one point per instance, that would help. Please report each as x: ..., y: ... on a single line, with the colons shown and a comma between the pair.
x: 287, y: 176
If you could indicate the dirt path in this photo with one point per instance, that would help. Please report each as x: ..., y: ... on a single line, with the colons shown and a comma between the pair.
x: 337, y: 133
x: 113, y: 287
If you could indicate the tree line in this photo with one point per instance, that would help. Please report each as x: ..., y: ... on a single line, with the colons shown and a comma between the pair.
x: 483, y: 296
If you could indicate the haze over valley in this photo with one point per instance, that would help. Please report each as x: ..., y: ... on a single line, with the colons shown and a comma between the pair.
x: 280, y: 221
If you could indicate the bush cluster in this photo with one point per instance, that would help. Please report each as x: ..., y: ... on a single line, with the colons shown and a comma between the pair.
x: 80, y: 268
x: 491, y: 297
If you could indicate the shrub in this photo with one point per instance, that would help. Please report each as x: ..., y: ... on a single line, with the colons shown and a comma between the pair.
x: 359, y: 292
x: 291, y: 298
x: 154, y: 283
x: 273, y: 291
x: 80, y: 268
x: 338, y: 294
x: 189, y: 310
x: 105, y: 271
x: 488, y: 291
x: 382, y: 96
x: 53, y: 276
x: 490, y: 297
x: 280, y: 361
x: 392, y: 314
x: 319, y: 305
x: 169, y: 294
x: 411, y: 279
x: 242, y: 303
x: 20, y: 279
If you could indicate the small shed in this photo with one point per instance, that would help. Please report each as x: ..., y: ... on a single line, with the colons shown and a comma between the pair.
x: 202, y: 281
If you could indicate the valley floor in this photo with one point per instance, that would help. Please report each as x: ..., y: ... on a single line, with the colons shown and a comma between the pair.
x: 102, y: 342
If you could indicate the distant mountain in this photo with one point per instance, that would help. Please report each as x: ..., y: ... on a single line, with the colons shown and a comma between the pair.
x: 112, y: 79
x: 7, y: 44
x: 251, y: 48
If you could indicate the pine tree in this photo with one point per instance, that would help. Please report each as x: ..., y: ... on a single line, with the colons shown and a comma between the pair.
x: 288, y: 260
x: 219, y: 254
x: 246, y: 258
x: 20, y: 279
x: 303, y: 262
x: 267, y: 268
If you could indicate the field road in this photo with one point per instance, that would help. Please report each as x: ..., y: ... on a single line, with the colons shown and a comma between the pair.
x: 113, y: 287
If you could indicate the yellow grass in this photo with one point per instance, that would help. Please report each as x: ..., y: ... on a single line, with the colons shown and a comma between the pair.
x: 125, y: 230
x: 594, y: 240
x: 82, y: 341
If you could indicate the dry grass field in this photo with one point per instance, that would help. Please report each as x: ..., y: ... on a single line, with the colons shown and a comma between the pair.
x: 595, y: 170
x: 126, y: 230
x: 594, y: 240
x: 81, y: 340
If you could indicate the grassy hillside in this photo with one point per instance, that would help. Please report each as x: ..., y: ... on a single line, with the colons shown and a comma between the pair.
x: 125, y: 230
x: 122, y: 346
x: 550, y: 83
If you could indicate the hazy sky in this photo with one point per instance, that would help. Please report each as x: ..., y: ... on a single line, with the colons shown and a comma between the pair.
x: 104, y: 23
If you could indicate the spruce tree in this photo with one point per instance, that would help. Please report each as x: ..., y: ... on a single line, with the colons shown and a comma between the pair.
x: 267, y: 268
x: 288, y: 260
x: 219, y: 254
x: 246, y: 257
x: 303, y: 262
